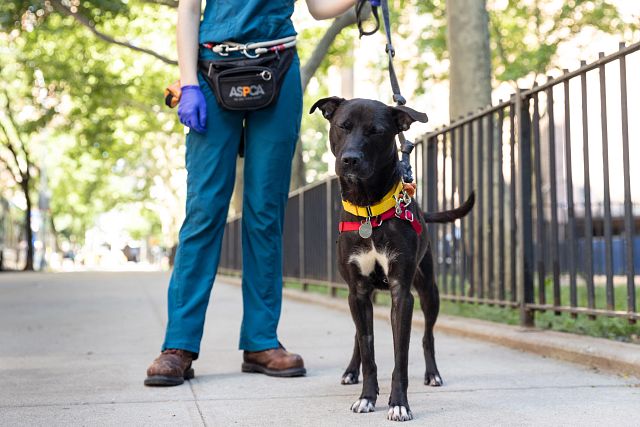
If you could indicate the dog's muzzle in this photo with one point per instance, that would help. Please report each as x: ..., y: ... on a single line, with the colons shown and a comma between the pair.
x: 352, y: 166
x: 351, y: 159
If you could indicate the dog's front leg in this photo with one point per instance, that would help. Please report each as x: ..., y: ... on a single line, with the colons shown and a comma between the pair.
x: 401, y: 313
x: 362, y: 313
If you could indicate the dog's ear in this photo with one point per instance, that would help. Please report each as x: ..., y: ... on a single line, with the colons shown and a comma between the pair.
x: 328, y: 106
x: 404, y: 116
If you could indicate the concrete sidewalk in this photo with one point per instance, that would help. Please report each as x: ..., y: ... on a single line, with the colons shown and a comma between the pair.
x: 74, y: 348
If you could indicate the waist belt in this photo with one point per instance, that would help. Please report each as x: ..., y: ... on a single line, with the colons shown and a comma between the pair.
x: 258, y: 48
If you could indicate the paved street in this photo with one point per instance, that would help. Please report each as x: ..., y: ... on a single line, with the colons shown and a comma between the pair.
x: 74, y: 348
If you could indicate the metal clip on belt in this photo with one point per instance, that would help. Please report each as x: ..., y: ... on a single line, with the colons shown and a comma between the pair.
x: 258, y: 48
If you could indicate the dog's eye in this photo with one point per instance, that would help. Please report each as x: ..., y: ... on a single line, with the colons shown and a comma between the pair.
x: 346, y: 126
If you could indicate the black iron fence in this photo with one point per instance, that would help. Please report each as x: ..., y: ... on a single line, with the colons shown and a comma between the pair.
x: 546, y: 234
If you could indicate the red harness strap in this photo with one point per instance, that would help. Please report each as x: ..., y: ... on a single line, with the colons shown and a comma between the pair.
x: 405, y: 214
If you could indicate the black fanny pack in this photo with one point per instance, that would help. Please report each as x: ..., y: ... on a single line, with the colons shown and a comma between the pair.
x: 247, y: 83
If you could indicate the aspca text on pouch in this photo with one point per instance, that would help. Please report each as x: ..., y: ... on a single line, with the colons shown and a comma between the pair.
x: 244, y: 91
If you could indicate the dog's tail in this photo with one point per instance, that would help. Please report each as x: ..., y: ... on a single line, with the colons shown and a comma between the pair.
x: 453, y: 214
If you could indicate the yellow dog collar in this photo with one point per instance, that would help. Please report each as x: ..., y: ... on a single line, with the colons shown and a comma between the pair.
x: 387, y: 202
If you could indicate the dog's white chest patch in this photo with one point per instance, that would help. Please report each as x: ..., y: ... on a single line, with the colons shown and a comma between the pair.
x: 366, y: 259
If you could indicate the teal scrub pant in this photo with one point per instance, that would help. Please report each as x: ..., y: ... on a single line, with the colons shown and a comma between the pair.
x: 270, y: 139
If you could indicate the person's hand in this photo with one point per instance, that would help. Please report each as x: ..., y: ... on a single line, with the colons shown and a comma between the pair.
x: 192, y: 109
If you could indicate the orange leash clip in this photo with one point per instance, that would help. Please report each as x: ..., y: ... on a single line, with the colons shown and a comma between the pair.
x: 172, y: 94
x: 410, y: 188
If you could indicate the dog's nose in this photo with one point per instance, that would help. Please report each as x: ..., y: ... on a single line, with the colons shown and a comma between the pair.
x: 351, y: 158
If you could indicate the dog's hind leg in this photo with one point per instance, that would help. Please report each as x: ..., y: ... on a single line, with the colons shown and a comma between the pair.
x: 352, y: 372
x: 425, y: 284
x: 362, y: 313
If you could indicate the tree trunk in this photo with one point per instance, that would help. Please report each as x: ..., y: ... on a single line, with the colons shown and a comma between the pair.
x: 469, y: 90
x: 27, y: 223
x: 470, y: 57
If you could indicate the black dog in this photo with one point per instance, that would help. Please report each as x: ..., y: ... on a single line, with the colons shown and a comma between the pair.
x: 382, y: 250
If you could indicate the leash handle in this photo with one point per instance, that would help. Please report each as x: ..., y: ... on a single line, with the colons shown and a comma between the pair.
x: 374, y: 11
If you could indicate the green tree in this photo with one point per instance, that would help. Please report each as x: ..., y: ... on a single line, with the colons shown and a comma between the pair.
x: 108, y: 62
x: 524, y: 35
x: 28, y: 107
x: 110, y: 123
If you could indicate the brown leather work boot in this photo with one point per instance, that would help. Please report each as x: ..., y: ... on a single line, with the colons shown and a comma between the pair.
x: 276, y: 362
x: 172, y: 367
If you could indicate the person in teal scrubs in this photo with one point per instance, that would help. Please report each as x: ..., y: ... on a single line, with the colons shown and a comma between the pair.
x: 212, y: 145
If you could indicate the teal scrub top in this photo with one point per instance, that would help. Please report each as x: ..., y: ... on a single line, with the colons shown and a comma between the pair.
x: 245, y: 21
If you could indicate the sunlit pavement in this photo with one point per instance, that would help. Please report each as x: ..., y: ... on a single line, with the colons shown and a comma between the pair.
x: 74, y: 348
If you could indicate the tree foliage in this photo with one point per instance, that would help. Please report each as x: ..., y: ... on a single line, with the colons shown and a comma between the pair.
x: 525, y: 35
x: 111, y: 131
x: 114, y: 142
x: 28, y: 106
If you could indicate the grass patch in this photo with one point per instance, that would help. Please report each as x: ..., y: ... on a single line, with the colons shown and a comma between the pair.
x: 315, y: 289
x: 603, y: 327
x: 600, y: 293
x: 480, y: 311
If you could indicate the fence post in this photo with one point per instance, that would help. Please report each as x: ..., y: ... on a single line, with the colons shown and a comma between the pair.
x: 329, y: 216
x: 431, y: 186
x: 305, y: 286
x: 237, y: 242
x: 628, y: 205
x: 524, y: 247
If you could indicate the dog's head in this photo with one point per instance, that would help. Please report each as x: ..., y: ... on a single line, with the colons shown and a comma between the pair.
x: 362, y: 133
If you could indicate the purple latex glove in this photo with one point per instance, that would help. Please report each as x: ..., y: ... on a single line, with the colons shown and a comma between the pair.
x: 374, y: 2
x: 192, y: 109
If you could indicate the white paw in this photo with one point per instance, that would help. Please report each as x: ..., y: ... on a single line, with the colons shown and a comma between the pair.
x: 433, y: 380
x: 399, y: 413
x: 349, y: 379
x: 362, y: 406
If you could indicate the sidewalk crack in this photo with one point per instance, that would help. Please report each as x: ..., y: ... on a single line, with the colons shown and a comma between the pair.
x: 195, y: 400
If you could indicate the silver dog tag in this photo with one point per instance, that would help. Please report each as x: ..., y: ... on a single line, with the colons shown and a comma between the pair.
x: 365, y: 229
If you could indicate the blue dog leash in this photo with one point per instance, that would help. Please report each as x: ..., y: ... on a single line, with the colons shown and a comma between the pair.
x: 406, y: 146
